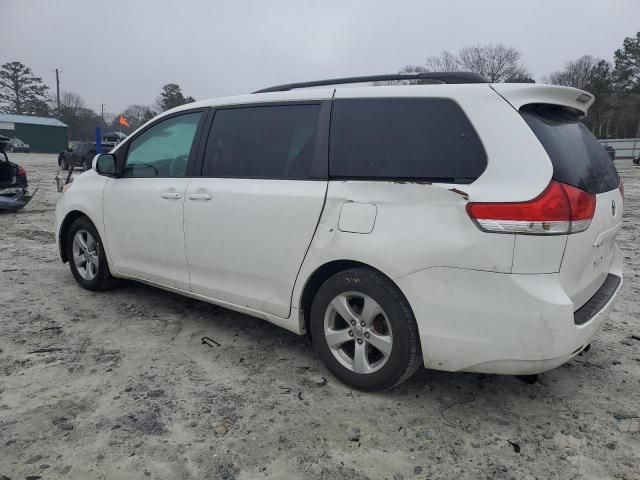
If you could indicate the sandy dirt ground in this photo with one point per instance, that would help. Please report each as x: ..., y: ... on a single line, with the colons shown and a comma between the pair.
x: 118, y: 385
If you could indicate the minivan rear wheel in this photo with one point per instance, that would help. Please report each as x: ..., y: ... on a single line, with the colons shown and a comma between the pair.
x: 364, y: 331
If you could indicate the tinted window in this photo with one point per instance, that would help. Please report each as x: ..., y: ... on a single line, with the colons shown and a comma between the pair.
x: 422, y: 138
x: 163, y: 150
x: 264, y: 142
x: 577, y: 156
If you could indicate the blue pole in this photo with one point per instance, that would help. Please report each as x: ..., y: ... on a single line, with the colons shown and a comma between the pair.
x: 98, y: 140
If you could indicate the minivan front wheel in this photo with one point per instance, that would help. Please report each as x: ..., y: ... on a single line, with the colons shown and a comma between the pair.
x: 364, y: 331
x: 86, y: 256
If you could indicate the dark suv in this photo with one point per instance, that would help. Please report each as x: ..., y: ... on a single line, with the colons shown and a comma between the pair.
x: 81, y: 155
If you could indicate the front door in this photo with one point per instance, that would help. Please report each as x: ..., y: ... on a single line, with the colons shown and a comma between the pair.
x: 250, y: 218
x: 143, y: 209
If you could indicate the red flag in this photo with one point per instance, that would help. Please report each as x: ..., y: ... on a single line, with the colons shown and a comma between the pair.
x: 123, y: 121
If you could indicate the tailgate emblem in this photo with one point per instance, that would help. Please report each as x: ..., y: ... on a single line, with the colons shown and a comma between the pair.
x: 613, y: 208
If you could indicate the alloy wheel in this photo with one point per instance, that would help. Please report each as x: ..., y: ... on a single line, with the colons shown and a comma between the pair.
x: 358, y: 332
x: 85, y: 254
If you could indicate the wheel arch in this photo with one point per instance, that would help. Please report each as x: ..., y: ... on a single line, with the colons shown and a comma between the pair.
x: 320, y: 275
x: 71, y: 217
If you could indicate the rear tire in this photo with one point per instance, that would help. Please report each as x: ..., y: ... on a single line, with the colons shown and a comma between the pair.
x: 86, y: 256
x: 364, y: 331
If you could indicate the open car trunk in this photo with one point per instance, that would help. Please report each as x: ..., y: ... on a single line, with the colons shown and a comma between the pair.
x: 13, y: 185
x: 8, y: 172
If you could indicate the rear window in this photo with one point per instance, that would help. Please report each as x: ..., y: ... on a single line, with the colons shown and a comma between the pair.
x: 404, y: 138
x: 578, y: 158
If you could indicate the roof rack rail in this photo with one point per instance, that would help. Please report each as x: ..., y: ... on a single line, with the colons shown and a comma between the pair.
x: 444, y: 77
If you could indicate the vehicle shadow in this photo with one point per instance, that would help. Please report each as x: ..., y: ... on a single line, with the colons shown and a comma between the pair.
x: 275, y: 344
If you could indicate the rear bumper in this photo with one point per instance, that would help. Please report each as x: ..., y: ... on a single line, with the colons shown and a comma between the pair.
x: 479, y: 321
x: 14, y: 198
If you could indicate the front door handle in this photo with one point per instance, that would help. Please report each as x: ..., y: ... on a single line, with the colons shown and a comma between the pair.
x: 171, y: 195
x: 200, y: 196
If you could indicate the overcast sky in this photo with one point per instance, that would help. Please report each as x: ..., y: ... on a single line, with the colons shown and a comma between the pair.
x: 120, y: 52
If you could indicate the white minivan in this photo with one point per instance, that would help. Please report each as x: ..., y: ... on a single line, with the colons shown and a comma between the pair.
x: 460, y: 226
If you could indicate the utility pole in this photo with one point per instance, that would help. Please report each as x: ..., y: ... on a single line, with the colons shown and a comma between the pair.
x: 58, y: 88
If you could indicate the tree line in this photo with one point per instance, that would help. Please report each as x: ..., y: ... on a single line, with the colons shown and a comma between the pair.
x: 23, y: 93
x: 615, y: 84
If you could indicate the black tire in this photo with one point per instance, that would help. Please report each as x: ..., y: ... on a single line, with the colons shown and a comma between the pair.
x: 406, y: 355
x: 102, y: 279
x: 64, y: 164
x: 86, y: 164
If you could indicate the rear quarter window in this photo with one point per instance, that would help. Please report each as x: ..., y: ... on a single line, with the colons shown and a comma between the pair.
x: 404, y: 138
x: 578, y: 158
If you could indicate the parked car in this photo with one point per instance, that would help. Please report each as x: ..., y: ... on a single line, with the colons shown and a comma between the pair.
x: 398, y: 226
x: 114, y: 137
x: 14, y: 192
x: 17, y: 145
x: 610, y: 151
x: 81, y: 155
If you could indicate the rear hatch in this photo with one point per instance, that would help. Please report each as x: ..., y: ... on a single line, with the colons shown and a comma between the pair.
x: 580, y: 160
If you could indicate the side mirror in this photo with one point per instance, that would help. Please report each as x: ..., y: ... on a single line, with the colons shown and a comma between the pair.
x: 105, y: 164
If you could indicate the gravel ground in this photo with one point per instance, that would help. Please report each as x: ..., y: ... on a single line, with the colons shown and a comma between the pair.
x: 118, y: 385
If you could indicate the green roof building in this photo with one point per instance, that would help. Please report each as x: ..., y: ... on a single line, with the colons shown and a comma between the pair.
x: 43, y: 134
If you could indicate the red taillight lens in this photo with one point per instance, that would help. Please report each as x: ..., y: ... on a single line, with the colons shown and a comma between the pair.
x: 22, y: 172
x: 621, y: 188
x: 560, y: 209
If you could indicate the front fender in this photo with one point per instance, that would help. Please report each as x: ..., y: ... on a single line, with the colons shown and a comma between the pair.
x: 83, y: 197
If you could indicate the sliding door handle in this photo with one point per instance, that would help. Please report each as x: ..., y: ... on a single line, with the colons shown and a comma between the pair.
x: 200, y: 196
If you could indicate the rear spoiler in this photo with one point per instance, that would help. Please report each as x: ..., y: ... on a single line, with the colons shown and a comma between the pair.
x: 520, y: 94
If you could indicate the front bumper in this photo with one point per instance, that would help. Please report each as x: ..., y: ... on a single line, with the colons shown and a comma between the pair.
x: 488, y: 322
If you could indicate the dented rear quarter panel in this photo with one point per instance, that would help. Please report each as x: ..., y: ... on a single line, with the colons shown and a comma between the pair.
x: 417, y: 226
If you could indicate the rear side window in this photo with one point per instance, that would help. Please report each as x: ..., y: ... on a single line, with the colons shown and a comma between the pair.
x: 578, y: 158
x: 404, y: 138
x: 275, y: 142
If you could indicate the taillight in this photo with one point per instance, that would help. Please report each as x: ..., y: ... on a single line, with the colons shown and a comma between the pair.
x: 22, y: 172
x: 560, y: 209
x: 621, y: 188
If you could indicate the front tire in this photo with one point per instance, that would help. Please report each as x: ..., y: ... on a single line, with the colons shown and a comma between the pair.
x: 64, y: 164
x: 364, y: 331
x: 86, y: 256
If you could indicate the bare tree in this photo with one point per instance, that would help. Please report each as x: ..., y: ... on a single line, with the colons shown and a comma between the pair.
x: 578, y: 73
x: 71, y: 102
x: 136, y: 115
x: 445, y: 62
x: 497, y: 63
